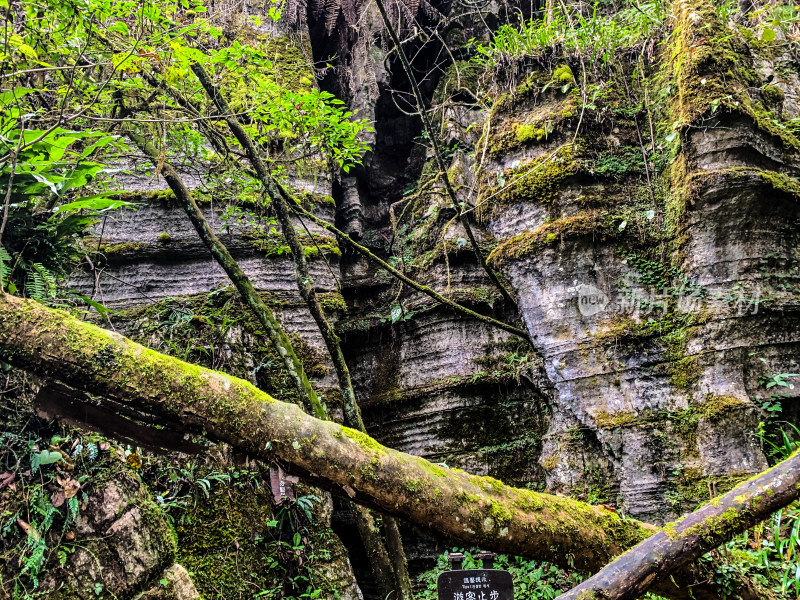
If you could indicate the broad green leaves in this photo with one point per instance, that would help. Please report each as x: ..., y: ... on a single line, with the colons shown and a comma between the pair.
x: 95, y: 204
x: 99, y: 57
x: 77, y: 74
x: 50, y: 161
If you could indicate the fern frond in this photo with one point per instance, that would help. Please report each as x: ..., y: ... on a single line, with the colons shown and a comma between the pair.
x: 349, y: 12
x: 41, y: 283
x: 5, y: 266
x: 332, y: 9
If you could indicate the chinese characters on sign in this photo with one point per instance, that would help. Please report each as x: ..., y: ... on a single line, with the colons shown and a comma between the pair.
x: 477, y: 584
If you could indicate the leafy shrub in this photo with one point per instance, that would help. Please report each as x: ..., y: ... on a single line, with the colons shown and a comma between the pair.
x: 596, y: 38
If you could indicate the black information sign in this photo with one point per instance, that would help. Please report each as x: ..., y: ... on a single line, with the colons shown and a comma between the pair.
x: 475, y: 584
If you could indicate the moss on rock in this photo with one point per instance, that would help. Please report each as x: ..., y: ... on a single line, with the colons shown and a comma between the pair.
x: 537, y: 181
x: 531, y: 243
x: 220, y: 544
x: 772, y: 94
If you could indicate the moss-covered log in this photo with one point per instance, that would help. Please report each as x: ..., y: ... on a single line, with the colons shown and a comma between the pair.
x: 680, y: 542
x: 476, y: 510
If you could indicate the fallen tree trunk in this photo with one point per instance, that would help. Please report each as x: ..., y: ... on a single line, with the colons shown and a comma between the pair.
x: 681, y: 542
x: 477, y: 510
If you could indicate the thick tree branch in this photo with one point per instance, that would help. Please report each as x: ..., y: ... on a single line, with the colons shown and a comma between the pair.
x: 683, y: 541
x: 476, y: 510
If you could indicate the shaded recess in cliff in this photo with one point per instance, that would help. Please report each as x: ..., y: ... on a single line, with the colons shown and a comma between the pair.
x: 428, y: 382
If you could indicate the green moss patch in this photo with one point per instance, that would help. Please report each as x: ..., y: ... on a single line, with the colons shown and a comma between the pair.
x: 537, y: 181
x: 713, y: 69
x: 593, y: 224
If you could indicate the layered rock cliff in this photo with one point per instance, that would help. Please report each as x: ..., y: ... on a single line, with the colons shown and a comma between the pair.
x: 645, y: 215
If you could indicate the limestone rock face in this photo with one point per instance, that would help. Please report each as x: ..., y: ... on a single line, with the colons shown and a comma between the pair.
x: 656, y: 307
x: 658, y: 291
x: 441, y: 387
x: 657, y: 279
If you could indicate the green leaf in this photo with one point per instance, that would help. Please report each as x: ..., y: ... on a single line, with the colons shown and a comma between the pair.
x: 46, y: 457
x: 397, y: 312
x: 51, y: 183
x: 94, y: 304
x: 768, y: 35
x: 103, y: 141
x: 13, y: 96
x: 120, y: 27
x: 95, y: 203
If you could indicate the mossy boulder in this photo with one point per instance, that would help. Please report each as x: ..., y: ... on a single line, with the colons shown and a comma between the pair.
x: 122, y: 541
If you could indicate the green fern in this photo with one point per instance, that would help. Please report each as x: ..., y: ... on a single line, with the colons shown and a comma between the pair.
x: 5, y: 269
x: 41, y: 283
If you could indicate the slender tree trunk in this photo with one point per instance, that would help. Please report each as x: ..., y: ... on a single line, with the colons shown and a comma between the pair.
x: 281, y: 341
x: 238, y: 277
x: 376, y: 550
x: 352, y: 414
x: 304, y: 282
x: 476, y: 510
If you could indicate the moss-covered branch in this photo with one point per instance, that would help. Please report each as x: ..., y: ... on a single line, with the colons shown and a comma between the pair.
x: 352, y: 414
x: 455, y: 306
x: 476, y: 510
x: 683, y: 541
